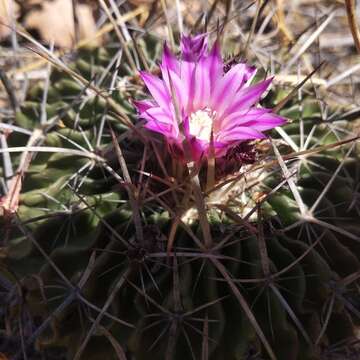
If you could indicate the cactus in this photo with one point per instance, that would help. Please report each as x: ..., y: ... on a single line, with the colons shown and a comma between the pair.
x: 106, y: 254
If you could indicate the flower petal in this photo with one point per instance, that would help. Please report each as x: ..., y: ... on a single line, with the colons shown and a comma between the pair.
x: 160, y: 121
x: 240, y: 133
x: 259, y: 118
x: 224, y: 92
x: 247, y: 97
x: 187, y: 79
x: 174, y: 83
x: 201, y: 86
x: 192, y: 47
x: 197, y: 149
x: 169, y: 61
x: 264, y: 122
x: 143, y: 105
x: 239, y: 118
x: 250, y: 72
x: 158, y: 114
x: 159, y: 127
x: 157, y: 89
x: 214, y: 65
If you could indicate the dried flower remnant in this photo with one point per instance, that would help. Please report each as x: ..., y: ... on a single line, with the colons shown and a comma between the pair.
x: 199, y: 96
x: 244, y: 153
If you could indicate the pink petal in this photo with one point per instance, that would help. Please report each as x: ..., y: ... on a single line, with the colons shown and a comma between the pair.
x: 143, y: 105
x: 258, y: 119
x: 266, y: 121
x: 169, y: 61
x: 159, y: 115
x: 193, y: 47
x: 239, y: 118
x: 161, y: 121
x: 173, y: 82
x: 157, y: 89
x: 196, y: 147
x: 214, y: 65
x: 224, y: 92
x: 240, y: 133
x: 250, y: 72
x: 191, y: 143
x: 187, y: 79
x: 202, y: 86
x: 247, y: 97
x: 160, y: 128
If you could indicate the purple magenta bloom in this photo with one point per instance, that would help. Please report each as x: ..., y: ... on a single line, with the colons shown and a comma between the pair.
x: 193, y: 47
x: 196, y: 98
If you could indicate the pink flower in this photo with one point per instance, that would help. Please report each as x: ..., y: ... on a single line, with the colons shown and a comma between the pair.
x: 196, y: 98
x: 193, y: 47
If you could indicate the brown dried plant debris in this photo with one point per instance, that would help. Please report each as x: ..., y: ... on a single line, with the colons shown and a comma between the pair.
x: 55, y: 22
x: 141, y: 2
x: 9, y: 11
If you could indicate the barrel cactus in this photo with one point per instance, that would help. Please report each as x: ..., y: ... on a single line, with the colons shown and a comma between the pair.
x: 128, y: 234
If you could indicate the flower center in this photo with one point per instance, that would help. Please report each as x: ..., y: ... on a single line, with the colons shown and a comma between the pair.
x: 201, y: 123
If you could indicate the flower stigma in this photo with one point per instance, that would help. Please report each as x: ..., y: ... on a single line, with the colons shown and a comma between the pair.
x: 201, y: 123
